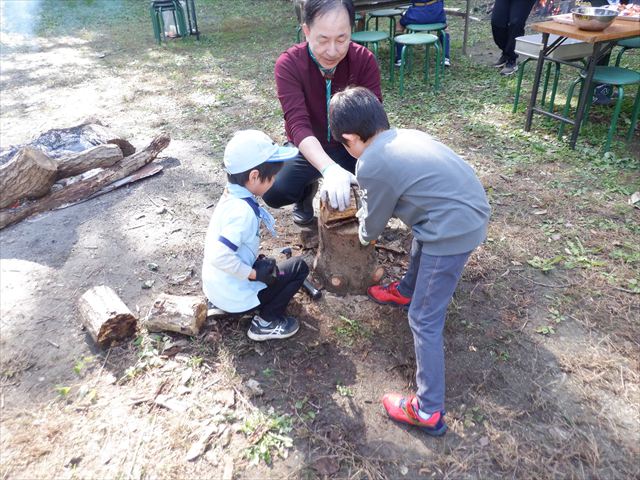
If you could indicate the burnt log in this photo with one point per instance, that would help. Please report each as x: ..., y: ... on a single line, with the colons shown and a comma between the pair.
x: 107, y: 319
x: 87, y: 186
x: 29, y: 174
x: 175, y: 313
x: 342, y: 263
x: 100, y: 156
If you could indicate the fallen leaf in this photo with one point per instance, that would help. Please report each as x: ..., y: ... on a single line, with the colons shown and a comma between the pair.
x: 539, y: 212
x: 253, y: 387
x: 186, y: 376
x: 227, y: 473
x: 199, y: 447
x: 326, y: 465
x: 171, y: 403
x: 225, y: 397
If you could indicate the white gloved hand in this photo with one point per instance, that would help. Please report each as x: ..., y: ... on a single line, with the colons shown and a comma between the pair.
x: 336, y: 186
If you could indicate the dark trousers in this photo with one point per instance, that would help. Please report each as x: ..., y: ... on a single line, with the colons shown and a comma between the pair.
x: 275, y: 298
x: 507, y: 23
x: 296, y: 175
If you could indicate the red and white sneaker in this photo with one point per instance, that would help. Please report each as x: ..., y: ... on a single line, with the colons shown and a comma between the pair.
x: 405, y: 410
x: 388, y: 295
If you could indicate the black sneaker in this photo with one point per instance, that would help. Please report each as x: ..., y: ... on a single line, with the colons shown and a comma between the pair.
x: 509, y: 68
x: 500, y: 62
x: 261, y: 330
x: 303, y: 210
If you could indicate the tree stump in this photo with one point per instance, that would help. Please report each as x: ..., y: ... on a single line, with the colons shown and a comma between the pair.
x: 174, y: 313
x: 105, y: 316
x: 29, y: 174
x: 342, y: 263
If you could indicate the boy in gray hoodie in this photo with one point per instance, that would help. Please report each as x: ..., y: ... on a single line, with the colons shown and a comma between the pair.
x: 409, y: 175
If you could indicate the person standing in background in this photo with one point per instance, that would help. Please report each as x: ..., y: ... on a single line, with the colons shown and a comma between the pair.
x: 507, y: 23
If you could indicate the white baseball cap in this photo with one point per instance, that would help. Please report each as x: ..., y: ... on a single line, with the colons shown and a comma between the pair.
x: 249, y: 148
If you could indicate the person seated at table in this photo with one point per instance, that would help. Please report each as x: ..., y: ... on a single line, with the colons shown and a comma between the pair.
x: 424, y: 12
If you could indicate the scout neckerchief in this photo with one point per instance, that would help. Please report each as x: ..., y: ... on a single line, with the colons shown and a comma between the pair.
x: 239, y: 191
x: 327, y: 74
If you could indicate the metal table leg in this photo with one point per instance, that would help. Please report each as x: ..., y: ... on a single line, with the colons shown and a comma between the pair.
x: 536, y: 81
x: 586, y: 90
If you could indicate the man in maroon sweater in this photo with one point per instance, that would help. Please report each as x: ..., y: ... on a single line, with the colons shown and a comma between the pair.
x: 306, y: 76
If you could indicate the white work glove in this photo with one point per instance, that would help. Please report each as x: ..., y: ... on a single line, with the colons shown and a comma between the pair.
x: 336, y: 186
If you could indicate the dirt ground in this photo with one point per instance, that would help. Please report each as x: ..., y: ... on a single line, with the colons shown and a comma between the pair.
x: 543, y: 379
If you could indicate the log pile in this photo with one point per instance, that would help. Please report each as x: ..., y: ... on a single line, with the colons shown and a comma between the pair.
x: 63, y: 167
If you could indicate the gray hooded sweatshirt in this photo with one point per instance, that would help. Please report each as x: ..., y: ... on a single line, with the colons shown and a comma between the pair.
x: 409, y: 175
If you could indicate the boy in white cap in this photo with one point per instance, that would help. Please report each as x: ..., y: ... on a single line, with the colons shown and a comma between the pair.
x: 234, y: 277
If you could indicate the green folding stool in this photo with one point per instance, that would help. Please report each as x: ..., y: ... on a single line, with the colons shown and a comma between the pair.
x: 410, y: 40
x: 618, y: 77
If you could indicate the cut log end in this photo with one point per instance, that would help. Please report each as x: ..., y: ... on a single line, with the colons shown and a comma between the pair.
x: 107, y: 319
x: 174, y: 313
x: 377, y: 274
x: 29, y: 174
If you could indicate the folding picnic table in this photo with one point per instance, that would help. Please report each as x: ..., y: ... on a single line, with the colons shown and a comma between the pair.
x: 602, y: 42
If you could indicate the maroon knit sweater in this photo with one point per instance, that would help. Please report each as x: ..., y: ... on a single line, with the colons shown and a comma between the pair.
x: 302, y: 92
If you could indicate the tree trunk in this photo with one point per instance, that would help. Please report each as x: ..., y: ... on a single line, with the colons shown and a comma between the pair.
x: 342, y: 263
x: 29, y: 174
x: 181, y: 314
x: 87, y: 187
x: 105, y: 316
x: 101, y: 156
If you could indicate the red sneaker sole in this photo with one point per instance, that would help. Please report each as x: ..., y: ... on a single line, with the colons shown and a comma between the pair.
x: 380, y: 302
x: 433, y: 432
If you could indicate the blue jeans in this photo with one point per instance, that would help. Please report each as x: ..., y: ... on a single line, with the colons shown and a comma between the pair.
x: 430, y: 281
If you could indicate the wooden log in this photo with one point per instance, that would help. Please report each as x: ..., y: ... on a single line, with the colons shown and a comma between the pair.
x: 29, y: 174
x: 330, y: 216
x: 174, y: 313
x: 107, y: 319
x: 87, y: 187
x: 342, y: 263
x: 101, y: 156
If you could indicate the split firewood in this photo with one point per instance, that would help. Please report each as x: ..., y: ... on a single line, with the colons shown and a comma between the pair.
x: 342, y: 263
x: 174, y: 313
x: 29, y: 174
x: 101, y: 156
x: 87, y: 187
x: 105, y: 316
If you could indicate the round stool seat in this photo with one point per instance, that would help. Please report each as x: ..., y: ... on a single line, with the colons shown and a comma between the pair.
x: 385, y: 12
x: 369, y: 36
x: 629, y: 42
x: 614, y: 75
x: 416, y: 39
x: 426, y: 27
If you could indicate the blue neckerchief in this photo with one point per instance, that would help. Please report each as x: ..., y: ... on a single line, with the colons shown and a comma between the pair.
x: 327, y: 74
x: 241, y: 192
